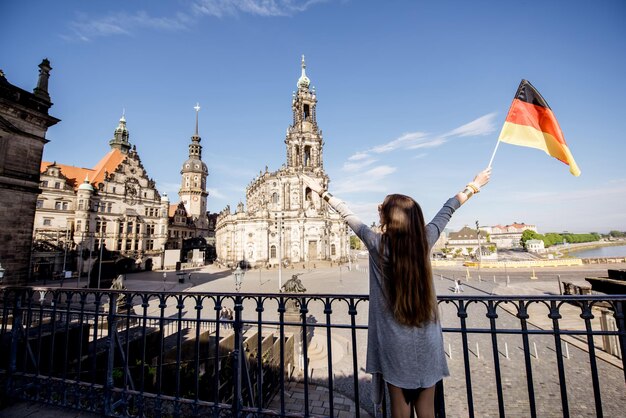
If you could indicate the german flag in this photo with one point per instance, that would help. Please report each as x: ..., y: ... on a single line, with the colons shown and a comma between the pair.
x: 531, y: 123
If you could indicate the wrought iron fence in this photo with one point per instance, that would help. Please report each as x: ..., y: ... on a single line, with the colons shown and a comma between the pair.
x: 124, y: 353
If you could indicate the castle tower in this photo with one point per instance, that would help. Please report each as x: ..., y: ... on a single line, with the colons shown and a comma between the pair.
x: 304, y: 139
x: 120, y: 136
x: 193, y: 192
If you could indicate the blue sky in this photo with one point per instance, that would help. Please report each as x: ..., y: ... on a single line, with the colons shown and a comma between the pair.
x: 412, y: 94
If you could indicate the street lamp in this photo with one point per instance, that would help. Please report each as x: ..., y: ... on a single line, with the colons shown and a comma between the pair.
x: 239, y: 273
x: 480, y: 255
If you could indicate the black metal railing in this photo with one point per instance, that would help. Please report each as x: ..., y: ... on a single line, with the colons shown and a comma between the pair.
x: 125, y: 353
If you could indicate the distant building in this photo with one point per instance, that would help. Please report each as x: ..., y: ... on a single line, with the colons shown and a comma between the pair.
x: 466, y: 240
x: 115, y: 203
x: 283, y: 220
x: 24, y: 121
x: 535, y: 246
x: 509, y: 236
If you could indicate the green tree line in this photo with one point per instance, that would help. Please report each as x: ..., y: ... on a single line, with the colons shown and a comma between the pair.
x: 552, y: 238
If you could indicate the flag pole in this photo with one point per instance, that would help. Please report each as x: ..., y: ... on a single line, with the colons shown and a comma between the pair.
x: 494, y: 153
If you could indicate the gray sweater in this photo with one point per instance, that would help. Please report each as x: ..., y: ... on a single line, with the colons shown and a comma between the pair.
x: 405, y: 356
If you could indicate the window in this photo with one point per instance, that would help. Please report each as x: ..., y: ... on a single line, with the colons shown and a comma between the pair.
x: 109, y: 207
x: 78, y: 225
x: 149, y: 244
x: 149, y: 229
x: 306, y: 111
x: 274, y: 197
x: 57, y: 205
x: 333, y: 249
x: 57, y: 185
x: 129, y: 227
x: 39, y: 204
x: 129, y: 244
x: 44, y: 183
x: 64, y: 205
x: 47, y: 221
x: 80, y: 205
x: 113, y: 189
x: 120, y: 229
x: 101, y: 226
x: 137, y: 227
x: 307, y: 155
x: 273, y: 251
x: 119, y: 244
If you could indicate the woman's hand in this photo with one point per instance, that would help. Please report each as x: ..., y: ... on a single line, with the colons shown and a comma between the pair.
x: 312, y: 184
x: 482, y: 178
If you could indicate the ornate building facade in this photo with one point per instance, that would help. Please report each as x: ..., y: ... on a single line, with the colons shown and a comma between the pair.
x: 283, y: 220
x: 24, y: 121
x: 114, y: 203
x: 189, y: 217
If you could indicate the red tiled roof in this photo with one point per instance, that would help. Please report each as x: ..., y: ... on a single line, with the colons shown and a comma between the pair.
x: 95, y: 175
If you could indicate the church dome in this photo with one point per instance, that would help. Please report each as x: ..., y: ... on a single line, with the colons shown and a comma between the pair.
x: 194, y: 165
x: 86, y: 186
x: 303, y: 81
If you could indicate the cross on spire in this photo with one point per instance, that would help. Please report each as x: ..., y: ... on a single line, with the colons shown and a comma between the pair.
x: 197, y: 107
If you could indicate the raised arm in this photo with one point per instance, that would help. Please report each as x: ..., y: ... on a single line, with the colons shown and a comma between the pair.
x: 441, y: 219
x: 360, y: 229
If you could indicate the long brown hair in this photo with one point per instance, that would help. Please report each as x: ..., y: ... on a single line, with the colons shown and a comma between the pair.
x: 408, y: 284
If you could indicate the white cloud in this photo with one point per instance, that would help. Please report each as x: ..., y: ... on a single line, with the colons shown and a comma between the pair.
x: 484, y: 125
x: 358, y: 165
x: 358, y: 156
x: 405, y: 141
x: 372, y: 180
x: 122, y: 23
x: 221, y: 8
x: 216, y: 194
x: 85, y: 28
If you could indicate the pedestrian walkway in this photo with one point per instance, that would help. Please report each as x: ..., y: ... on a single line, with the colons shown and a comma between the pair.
x: 319, y: 404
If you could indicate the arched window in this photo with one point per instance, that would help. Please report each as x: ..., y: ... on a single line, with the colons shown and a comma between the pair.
x: 307, y: 155
x: 196, y: 181
x: 308, y: 195
x: 274, y: 197
x: 273, y: 251
x: 306, y: 112
x: 296, y: 156
x: 333, y: 249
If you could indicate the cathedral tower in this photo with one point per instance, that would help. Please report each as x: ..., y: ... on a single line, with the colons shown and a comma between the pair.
x: 120, y: 137
x: 193, y: 192
x: 304, y: 139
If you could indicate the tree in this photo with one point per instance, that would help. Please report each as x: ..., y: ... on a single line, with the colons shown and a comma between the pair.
x: 457, y: 252
x: 355, y: 242
x: 469, y: 250
x: 526, y: 235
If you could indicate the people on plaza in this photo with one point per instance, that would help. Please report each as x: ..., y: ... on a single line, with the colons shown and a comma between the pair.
x: 405, y: 341
x: 458, y: 286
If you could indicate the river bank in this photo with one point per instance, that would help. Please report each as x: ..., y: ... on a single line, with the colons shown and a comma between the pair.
x: 565, y: 249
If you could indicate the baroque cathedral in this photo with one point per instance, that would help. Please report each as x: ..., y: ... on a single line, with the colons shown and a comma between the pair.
x: 283, y: 220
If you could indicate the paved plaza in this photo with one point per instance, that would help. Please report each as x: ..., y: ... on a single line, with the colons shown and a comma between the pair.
x: 480, y: 356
